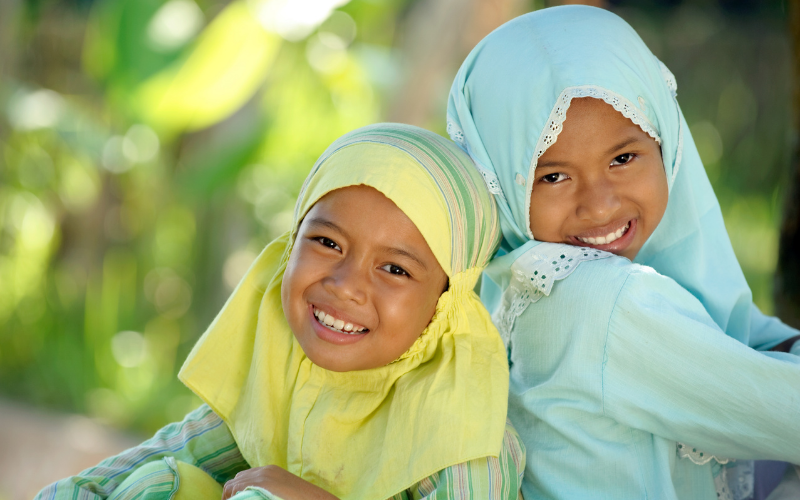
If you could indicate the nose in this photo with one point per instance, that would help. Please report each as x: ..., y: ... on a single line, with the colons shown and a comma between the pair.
x: 348, y: 281
x: 598, y: 201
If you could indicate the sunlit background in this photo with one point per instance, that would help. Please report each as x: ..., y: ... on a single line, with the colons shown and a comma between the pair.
x: 149, y: 149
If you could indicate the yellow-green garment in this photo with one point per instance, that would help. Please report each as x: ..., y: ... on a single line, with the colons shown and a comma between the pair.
x: 368, y: 434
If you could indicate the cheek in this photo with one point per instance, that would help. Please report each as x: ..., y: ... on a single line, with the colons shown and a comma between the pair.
x: 657, y: 195
x: 547, y: 215
x: 409, y: 314
x: 291, y: 285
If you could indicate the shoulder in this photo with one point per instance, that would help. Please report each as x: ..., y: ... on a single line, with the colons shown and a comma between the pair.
x: 565, y: 272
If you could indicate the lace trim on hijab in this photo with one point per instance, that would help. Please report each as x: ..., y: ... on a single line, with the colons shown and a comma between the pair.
x: 489, y: 177
x: 555, y: 124
x: 533, y: 276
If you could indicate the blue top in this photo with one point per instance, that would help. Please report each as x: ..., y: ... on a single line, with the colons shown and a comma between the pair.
x: 618, y: 367
x: 509, y: 101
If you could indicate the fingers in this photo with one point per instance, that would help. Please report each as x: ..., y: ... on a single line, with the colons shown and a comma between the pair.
x: 233, y: 486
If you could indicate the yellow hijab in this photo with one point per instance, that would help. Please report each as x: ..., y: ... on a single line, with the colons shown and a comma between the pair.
x: 368, y: 434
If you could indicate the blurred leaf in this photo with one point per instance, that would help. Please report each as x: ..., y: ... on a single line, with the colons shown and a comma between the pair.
x: 228, y: 64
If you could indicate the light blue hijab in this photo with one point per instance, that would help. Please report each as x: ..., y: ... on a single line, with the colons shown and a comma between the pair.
x: 508, y: 103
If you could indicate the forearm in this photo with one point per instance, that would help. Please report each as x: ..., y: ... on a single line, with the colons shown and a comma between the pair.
x: 684, y: 379
x: 201, y: 439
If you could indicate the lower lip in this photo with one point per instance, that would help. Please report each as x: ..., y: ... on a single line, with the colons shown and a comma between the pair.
x: 617, y: 246
x: 332, y: 336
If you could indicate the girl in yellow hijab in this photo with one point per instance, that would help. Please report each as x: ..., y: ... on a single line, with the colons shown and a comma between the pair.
x: 353, y: 360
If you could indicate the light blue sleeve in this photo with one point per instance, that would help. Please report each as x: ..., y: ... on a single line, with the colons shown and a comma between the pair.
x: 767, y: 331
x: 671, y: 371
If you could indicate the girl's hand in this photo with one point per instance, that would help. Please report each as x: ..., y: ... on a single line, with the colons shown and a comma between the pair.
x: 277, y: 481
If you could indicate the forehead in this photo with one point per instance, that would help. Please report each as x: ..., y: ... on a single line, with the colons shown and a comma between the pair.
x: 400, y: 178
x: 593, y: 127
x: 365, y: 214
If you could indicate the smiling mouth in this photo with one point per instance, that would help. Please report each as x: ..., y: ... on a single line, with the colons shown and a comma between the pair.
x: 338, y: 325
x: 609, y: 238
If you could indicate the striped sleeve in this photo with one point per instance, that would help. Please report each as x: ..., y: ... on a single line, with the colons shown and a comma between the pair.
x: 201, y: 439
x: 495, y: 478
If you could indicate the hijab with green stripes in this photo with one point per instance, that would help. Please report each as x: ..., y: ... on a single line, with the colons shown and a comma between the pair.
x: 368, y: 434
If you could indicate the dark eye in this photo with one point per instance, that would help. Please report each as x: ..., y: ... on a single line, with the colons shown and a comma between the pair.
x: 623, y: 159
x: 327, y: 242
x: 554, y: 178
x: 393, y: 269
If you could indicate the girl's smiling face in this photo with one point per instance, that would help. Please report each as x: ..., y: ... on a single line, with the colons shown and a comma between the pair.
x: 361, y: 283
x: 601, y: 185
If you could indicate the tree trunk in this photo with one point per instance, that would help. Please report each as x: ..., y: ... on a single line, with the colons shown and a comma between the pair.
x: 787, y: 276
x: 436, y: 36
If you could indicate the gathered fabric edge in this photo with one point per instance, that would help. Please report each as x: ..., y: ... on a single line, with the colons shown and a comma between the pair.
x: 534, y: 274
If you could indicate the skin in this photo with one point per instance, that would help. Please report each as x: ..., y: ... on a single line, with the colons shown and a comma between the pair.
x: 360, y: 258
x: 602, y: 173
x: 277, y: 481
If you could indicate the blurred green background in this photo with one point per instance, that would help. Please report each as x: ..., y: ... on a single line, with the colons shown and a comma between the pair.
x: 150, y: 148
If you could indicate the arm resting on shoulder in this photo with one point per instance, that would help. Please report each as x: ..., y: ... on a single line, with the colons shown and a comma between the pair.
x: 201, y: 439
x: 671, y: 371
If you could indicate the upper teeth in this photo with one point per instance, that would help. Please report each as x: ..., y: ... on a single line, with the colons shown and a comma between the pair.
x: 610, y: 237
x: 337, y: 324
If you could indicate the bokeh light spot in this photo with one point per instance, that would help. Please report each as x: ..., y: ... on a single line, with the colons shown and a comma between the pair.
x: 129, y: 348
x: 174, y: 24
x: 34, y: 110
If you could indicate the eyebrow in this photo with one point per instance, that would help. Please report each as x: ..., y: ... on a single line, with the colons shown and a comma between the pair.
x: 613, y: 149
x: 404, y: 253
x: 319, y: 221
x: 622, y: 144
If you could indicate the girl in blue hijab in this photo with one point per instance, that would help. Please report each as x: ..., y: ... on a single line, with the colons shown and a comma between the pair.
x: 627, y: 380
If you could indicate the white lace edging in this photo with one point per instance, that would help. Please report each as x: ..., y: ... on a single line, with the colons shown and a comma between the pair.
x: 533, y: 276
x: 489, y: 177
x: 698, y: 456
x: 455, y: 133
x: 555, y: 124
x: 669, y: 78
x: 734, y: 481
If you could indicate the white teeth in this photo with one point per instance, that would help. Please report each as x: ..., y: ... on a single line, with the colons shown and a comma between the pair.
x: 337, y: 324
x: 609, y: 238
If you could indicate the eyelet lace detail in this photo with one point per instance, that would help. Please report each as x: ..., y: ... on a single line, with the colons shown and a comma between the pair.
x: 492, y: 182
x: 733, y: 481
x: 672, y: 83
x: 489, y: 177
x: 455, y: 133
x: 534, y: 274
x: 698, y: 456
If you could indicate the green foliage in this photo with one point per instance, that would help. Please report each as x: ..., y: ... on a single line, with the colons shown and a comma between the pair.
x: 135, y: 194
x: 130, y: 210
